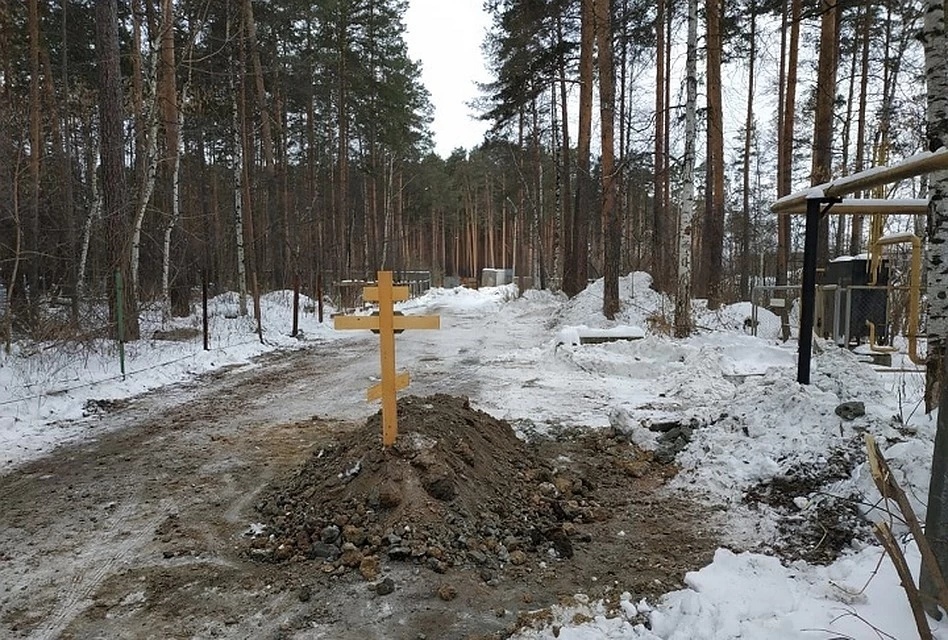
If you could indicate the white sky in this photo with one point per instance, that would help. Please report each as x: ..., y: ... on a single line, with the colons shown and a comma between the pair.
x: 446, y: 36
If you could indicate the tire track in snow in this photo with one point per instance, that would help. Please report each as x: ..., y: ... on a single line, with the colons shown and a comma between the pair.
x: 97, y: 566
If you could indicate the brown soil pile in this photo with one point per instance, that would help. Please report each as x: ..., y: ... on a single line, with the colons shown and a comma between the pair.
x: 457, y: 488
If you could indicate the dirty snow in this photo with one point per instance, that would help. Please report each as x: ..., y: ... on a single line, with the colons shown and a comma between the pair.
x: 751, y: 421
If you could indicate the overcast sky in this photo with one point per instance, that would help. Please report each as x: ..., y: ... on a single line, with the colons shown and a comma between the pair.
x: 446, y: 36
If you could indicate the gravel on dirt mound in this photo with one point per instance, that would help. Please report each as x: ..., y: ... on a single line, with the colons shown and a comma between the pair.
x: 458, y: 488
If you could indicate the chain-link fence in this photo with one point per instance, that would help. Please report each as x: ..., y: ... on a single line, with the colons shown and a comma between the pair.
x: 848, y: 315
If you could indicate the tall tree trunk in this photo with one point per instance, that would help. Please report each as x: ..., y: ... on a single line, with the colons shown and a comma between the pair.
x: 749, y: 131
x: 683, y: 291
x: 789, y: 55
x: 610, y: 214
x: 785, y: 151
x: 35, y: 150
x: 67, y: 170
x: 936, y: 75
x: 238, y: 169
x: 712, y: 243
x: 660, y: 225
x: 579, y: 227
x: 173, y: 123
x: 566, y: 199
x: 149, y: 166
x: 855, y: 242
x: 821, y: 169
x: 268, y: 193
x: 113, y: 168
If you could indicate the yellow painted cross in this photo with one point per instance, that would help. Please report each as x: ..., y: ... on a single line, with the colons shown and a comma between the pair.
x: 387, y: 324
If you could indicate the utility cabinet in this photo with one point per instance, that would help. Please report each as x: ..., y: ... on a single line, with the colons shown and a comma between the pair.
x: 855, y: 302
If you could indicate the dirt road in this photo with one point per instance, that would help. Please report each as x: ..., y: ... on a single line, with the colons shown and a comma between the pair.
x: 138, y: 531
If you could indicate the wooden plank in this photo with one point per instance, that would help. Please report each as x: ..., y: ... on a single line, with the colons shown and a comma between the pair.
x: 375, y: 391
x: 387, y: 344
x: 884, y: 535
x: 371, y: 294
x: 355, y: 322
x: 417, y: 322
x: 890, y: 490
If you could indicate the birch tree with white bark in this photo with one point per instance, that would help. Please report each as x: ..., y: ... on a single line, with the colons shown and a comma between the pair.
x: 936, y: 76
x: 151, y: 166
x: 683, y: 322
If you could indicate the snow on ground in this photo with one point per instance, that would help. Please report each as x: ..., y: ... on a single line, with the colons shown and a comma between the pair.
x: 46, y: 389
x: 749, y: 422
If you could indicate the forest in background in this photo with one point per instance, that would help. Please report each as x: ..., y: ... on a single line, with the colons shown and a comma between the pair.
x: 250, y: 143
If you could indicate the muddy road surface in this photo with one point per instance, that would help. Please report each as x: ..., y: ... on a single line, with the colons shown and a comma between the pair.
x: 140, y: 530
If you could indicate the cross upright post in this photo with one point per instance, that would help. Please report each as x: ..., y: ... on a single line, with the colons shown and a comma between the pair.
x: 387, y: 324
x: 387, y: 344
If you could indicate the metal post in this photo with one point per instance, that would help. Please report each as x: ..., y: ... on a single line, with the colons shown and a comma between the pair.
x: 296, y: 305
x: 207, y: 346
x: 120, y: 318
x: 319, y: 298
x: 808, y: 288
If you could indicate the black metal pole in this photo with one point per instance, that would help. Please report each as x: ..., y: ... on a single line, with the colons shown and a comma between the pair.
x: 808, y: 293
x: 296, y: 305
x: 207, y: 346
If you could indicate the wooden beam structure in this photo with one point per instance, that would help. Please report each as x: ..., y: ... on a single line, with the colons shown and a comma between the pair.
x: 820, y: 200
x: 387, y: 324
x: 924, y: 162
x: 866, y: 206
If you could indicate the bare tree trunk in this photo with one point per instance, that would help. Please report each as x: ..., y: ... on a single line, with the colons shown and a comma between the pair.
x: 268, y: 193
x: 238, y: 189
x: 92, y: 216
x: 610, y: 214
x: 749, y: 130
x: 7, y: 318
x: 855, y: 242
x: 936, y: 74
x: 113, y: 169
x: 150, y: 167
x: 785, y: 152
x: 172, y: 122
x: 566, y: 237
x: 821, y: 169
x: 660, y: 224
x: 683, y: 323
x: 713, y: 237
x: 579, y: 227
x: 35, y: 149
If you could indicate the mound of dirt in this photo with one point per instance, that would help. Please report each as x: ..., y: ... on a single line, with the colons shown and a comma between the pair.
x: 458, y: 488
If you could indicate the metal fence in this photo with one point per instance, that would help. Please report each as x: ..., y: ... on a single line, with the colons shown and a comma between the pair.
x: 348, y: 293
x: 848, y: 315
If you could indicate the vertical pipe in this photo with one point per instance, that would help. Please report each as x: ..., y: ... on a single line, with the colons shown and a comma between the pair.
x: 296, y: 305
x: 120, y: 318
x: 808, y: 292
x: 207, y: 345
x: 319, y: 297
x: 256, y: 306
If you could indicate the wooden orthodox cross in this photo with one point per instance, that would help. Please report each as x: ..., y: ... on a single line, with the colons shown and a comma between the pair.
x: 387, y: 324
